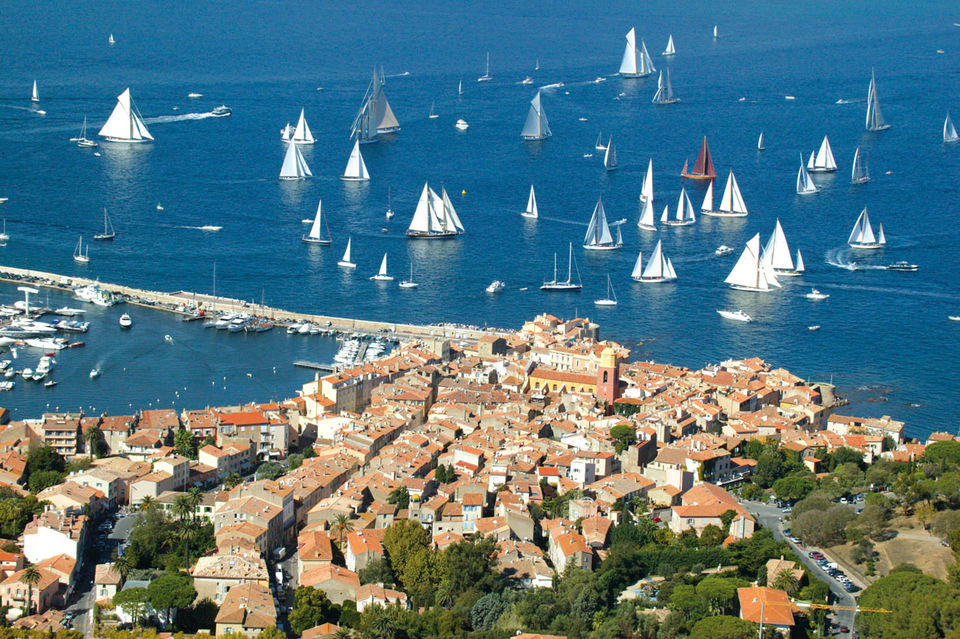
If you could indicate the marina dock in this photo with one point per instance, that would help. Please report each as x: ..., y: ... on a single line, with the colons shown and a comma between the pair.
x: 188, y: 304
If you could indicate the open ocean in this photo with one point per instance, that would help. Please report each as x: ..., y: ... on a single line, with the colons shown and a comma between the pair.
x: 885, y: 337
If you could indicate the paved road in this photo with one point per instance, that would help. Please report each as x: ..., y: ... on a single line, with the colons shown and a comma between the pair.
x: 769, y: 517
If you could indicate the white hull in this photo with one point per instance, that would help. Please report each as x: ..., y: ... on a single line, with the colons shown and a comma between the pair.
x: 865, y: 245
x: 382, y: 278
x: 752, y: 289
x: 561, y: 287
x: 821, y: 170
x: 738, y: 316
x: 126, y: 140
x: 605, y: 302
x: 343, y: 264
x: 310, y: 240
x: 635, y: 75
x: 654, y: 280
x: 353, y: 179
x: 722, y: 214
x: 675, y: 223
x: 610, y: 247
x: 647, y: 227
x: 782, y: 273
x: 408, y: 285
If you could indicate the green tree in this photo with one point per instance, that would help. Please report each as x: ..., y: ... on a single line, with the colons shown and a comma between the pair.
x: 787, y: 582
x: 471, y: 564
x: 487, y: 611
x: 96, y: 444
x: 170, y: 592
x: 422, y: 574
x: 401, y: 541
x: 122, y: 566
x: 400, y: 497
x: 44, y: 479
x: 311, y: 607
x: 30, y: 576
x: 272, y: 632
x: 793, y: 488
x: 624, y: 436
x: 922, y: 606
x: 184, y: 443
x: 133, y: 601
x: 720, y: 593
x: 342, y: 525
x: 45, y: 458
x: 270, y: 470
x: 233, y: 480
x: 712, y: 536
x: 377, y: 572
x: 294, y: 461
x: 182, y: 506
x: 723, y: 627
x: 945, y: 454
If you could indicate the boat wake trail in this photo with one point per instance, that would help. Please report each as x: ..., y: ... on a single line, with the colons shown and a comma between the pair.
x: 163, y: 119
x: 398, y: 75
x: 555, y: 219
x: 17, y: 106
x: 850, y: 101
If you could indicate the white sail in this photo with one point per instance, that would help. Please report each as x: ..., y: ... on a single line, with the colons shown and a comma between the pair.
x: 386, y: 121
x: 460, y: 87
x: 346, y: 253
x: 657, y: 267
x: 598, y: 232
x: 125, y: 123
x: 732, y: 201
x: 531, y: 210
x: 646, y: 62
x: 949, y: 131
x: 684, y: 213
x: 859, y: 173
x: 302, y: 134
x: 294, y: 166
x: 610, y: 155
x: 536, y: 126
x: 35, y: 95
x: 875, y: 120
x: 638, y: 267
x: 423, y: 216
x: 798, y: 263
x: 760, y: 146
x: 646, y: 191
x: 383, y: 266
x: 777, y: 252
x: 671, y: 49
x: 715, y: 36
x: 647, y: 216
x: 665, y: 216
x: 356, y: 167
x: 824, y: 160
x: 707, y: 205
x: 804, y: 181
x: 671, y: 274
x: 862, y: 234
x: 317, y: 223
x: 664, y: 94
x: 751, y: 273
x: 451, y: 220
x: 629, y: 66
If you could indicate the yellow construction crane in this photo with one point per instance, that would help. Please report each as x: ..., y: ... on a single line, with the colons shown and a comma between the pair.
x: 816, y: 606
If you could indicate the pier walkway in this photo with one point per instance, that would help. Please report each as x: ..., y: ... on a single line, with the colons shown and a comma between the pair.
x: 187, y: 303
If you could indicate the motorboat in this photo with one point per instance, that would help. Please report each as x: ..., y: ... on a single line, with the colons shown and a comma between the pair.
x: 94, y: 373
x: 221, y: 111
x: 816, y: 295
x: 496, y: 286
x: 125, y: 321
x: 903, y: 266
x: 723, y: 250
x: 737, y: 316
x: 462, y: 125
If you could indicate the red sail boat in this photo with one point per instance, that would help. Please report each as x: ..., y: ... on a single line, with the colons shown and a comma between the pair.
x: 703, y: 169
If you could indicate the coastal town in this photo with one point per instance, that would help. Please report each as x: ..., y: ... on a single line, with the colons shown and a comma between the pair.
x: 535, y: 451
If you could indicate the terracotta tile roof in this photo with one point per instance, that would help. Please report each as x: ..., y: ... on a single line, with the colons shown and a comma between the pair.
x: 775, y: 604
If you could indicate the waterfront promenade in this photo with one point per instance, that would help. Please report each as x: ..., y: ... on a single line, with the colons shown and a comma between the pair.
x: 188, y: 303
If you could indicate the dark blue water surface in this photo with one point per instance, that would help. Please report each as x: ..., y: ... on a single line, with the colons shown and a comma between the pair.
x: 881, y: 331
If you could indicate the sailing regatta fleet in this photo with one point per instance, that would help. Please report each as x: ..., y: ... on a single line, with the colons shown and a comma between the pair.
x: 758, y: 269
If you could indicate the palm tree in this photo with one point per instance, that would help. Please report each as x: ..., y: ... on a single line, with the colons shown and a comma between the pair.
x: 122, y: 566
x: 341, y: 525
x: 196, y: 497
x: 147, y: 503
x: 182, y: 506
x: 92, y: 436
x: 186, y: 534
x: 343, y: 633
x: 31, y: 577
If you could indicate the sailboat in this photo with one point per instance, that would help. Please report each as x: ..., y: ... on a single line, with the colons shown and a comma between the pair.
x: 599, y: 145
x: 647, y: 219
x: 375, y: 116
x: 409, y: 283
x: 432, y: 115
x: 685, y: 215
x: 566, y: 285
x: 320, y: 230
x: 294, y: 166
x: 435, y: 217
x: 715, y: 35
x: 671, y: 49
x: 822, y: 161
x: 389, y: 202
x: 862, y: 236
x: 703, y: 169
x: 777, y: 254
x: 536, y: 127
x: 760, y: 146
x: 949, y: 131
x: 610, y: 156
x: 79, y: 255
x: 646, y: 191
x: 110, y: 40
x: 486, y: 77
x: 125, y: 123
x: 345, y: 260
x: 636, y: 62
x: 664, y: 94
x: 731, y: 204
x: 382, y: 275
x: 108, y: 232
x: 611, y: 298
x: 875, y: 121
x: 460, y: 87
x: 659, y: 269
x: 3, y: 235
x: 751, y: 273
x: 35, y: 95
x: 536, y: 67
x: 356, y: 168
x: 302, y: 134
x: 82, y: 140
x: 805, y: 183
x: 707, y: 206
x: 859, y: 174
x: 531, y: 210
x: 598, y: 237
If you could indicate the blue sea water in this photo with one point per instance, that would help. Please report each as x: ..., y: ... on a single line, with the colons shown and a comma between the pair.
x: 884, y: 334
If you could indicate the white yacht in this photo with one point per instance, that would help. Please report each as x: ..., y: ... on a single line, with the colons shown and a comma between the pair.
x: 496, y: 286
x: 816, y: 295
x: 737, y: 316
x: 125, y: 321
